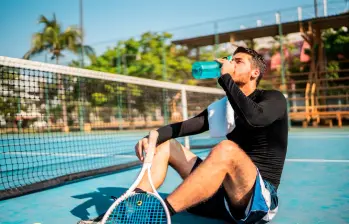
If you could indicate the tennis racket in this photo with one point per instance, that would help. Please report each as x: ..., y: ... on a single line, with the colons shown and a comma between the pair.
x: 140, y: 208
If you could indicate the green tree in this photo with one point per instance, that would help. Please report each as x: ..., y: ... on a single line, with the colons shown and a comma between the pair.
x: 98, y: 99
x: 53, y: 40
x: 336, y: 44
x: 145, y: 58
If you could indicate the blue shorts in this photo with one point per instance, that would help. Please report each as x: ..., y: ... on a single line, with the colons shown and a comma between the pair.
x: 262, y: 207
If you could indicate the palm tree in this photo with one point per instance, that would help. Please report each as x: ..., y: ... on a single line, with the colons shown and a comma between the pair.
x: 51, y: 39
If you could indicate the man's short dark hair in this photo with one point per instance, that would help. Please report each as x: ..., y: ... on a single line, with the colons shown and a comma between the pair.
x: 257, y: 61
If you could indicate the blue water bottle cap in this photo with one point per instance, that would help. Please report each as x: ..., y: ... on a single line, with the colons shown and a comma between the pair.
x: 229, y: 58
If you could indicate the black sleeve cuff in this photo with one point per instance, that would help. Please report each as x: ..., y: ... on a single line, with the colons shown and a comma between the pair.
x: 225, y: 79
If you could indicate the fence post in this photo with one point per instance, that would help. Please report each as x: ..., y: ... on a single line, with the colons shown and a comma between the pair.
x: 299, y: 9
x: 325, y: 7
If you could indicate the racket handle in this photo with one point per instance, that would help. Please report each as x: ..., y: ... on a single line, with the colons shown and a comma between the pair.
x: 153, y: 137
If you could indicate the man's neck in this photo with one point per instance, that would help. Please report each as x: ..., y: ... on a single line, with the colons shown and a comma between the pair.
x: 248, y: 88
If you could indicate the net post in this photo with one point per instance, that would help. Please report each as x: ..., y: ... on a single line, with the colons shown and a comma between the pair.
x: 185, y: 114
x: 119, y: 106
x: 119, y: 88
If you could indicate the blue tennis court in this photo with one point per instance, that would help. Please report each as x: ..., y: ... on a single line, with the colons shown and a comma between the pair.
x: 314, y: 187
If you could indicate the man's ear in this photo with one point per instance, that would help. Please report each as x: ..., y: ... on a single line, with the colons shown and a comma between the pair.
x: 255, y: 73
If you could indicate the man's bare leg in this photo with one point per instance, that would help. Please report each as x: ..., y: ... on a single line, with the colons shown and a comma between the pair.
x: 227, y: 164
x: 169, y: 153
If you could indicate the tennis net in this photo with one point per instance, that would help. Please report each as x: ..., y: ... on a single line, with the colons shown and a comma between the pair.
x: 59, y: 123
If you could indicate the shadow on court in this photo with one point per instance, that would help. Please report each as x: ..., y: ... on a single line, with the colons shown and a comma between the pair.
x: 101, y: 200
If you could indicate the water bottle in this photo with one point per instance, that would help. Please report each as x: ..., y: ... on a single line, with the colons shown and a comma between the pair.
x: 207, y: 69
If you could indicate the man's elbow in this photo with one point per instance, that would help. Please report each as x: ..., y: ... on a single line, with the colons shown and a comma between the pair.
x: 261, y: 121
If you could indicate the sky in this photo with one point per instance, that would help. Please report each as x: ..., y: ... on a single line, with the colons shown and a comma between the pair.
x: 107, y: 21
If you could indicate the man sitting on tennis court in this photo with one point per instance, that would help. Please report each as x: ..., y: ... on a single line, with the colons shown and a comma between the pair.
x: 238, y: 181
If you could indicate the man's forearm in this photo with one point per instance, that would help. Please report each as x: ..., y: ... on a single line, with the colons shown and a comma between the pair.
x: 192, y: 126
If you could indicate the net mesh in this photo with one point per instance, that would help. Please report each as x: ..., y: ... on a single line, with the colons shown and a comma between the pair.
x: 59, y: 123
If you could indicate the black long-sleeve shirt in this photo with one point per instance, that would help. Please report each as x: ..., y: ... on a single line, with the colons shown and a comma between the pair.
x: 261, y: 127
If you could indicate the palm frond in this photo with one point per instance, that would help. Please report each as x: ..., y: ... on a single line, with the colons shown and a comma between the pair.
x: 70, y: 38
x: 38, y: 46
x: 32, y: 52
x: 73, y: 33
x: 54, y: 18
x: 28, y: 55
x: 52, y: 35
x: 44, y: 20
x: 90, y: 52
x: 50, y: 24
x: 37, y: 40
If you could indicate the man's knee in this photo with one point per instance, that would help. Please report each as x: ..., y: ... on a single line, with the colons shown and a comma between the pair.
x: 164, y: 147
x: 227, y: 148
x: 226, y: 152
x: 169, y: 145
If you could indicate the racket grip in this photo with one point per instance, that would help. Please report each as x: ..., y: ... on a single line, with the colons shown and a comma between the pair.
x: 153, y: 136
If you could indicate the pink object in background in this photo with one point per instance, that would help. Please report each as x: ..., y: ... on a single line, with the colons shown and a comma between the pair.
x: 304, y: 57
x: 276, y: 59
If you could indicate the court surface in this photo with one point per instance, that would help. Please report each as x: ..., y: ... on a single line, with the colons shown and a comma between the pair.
x: 314, y: 187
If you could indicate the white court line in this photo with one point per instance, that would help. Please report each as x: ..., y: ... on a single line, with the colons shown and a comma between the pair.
x: 313, y: 160
x: 67, y: 154
x: 134, y: 156
x: 319, y: 133
x: 318, y: 160
x: 319, y: 136
x: 305, y: 136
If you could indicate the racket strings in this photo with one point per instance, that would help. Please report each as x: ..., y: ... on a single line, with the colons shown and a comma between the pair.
x: 140, y: 208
